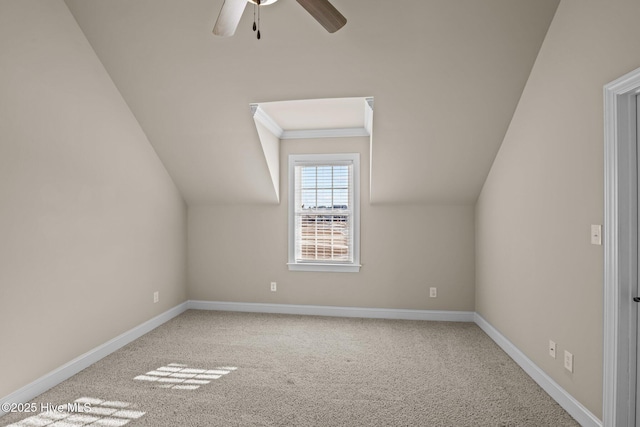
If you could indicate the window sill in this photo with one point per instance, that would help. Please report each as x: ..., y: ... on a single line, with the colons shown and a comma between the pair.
x: 334, y: 268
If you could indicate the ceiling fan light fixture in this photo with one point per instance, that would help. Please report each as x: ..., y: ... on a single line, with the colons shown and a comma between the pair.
x: 321, y: 10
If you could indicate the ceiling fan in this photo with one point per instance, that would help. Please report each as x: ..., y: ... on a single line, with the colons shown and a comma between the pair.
x: 231, y: 12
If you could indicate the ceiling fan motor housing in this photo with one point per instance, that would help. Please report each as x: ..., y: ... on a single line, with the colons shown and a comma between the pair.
x: 262, y: 2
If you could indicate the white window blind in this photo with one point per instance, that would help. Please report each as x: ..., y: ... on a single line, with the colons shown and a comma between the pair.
x: 324, y: 210
x: 323, y: 213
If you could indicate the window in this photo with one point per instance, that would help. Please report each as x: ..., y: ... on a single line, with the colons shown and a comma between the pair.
x: 324, y: 222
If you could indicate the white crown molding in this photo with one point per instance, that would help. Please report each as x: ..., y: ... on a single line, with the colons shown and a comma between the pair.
x: 266, y: 120
x: 272, y: 125
x: 324, y: 133
x: 369, y: 101
x: 368, y: 115
x: 266, y: 125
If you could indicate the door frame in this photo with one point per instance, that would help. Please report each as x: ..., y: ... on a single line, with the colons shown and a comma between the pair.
x: 620, y: 250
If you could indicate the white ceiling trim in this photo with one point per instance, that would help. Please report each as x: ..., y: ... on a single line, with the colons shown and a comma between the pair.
x: 267, y: 121
x: 324, y: 133
x: 368, y: 115
x: 270, y: 133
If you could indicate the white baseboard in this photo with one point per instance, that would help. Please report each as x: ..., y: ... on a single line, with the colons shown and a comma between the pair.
x: 568, y: 402
x: 320, y: 310
x: 560, y: 395
x: 55, y: 377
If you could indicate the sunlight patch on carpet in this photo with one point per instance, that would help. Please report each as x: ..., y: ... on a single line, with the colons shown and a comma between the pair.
x: 86, y: 411
x: 180, y: 377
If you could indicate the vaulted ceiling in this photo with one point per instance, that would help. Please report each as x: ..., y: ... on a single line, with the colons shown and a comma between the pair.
x: 446, y: 76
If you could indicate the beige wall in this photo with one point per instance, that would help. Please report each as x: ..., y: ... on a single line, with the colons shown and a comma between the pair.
x: 235, y: 251
x: 90, y: 222
x: 538, y: 276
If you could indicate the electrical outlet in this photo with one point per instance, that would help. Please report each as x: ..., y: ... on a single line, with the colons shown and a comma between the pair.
x: 273, y: 286
x: 552, y: 349
x: 156, y: 297
x: 568, y: 361
x: 433, y: 292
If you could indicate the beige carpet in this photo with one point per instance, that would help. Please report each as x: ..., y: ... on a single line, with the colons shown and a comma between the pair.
x: 206, y: 368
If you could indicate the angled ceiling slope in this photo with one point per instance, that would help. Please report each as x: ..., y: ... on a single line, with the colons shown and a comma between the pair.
x: 309, y: 118
x: 446, y: 74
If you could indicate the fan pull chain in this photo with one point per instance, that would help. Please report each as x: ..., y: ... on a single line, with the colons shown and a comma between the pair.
x: 256, y: 27
x: 254, y: 17
x: 258, y: 19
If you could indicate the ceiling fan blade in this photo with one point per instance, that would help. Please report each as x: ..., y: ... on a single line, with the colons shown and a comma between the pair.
x: 229, y: 17
x: 324, y: 12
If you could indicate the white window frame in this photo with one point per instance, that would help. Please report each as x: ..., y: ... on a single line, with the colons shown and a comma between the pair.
x: 348, y: 267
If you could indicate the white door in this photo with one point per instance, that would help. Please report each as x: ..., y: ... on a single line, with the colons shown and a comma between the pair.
x: 621, y: 391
